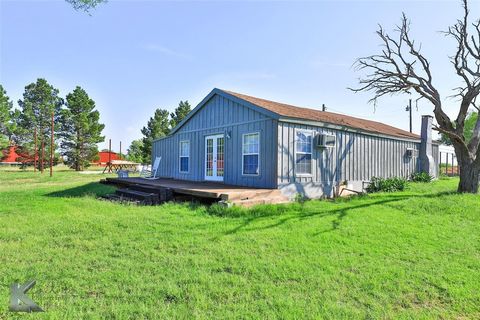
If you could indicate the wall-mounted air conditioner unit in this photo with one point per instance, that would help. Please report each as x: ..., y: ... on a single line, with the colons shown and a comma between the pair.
x: 325, y: 140
x: 411, y: 152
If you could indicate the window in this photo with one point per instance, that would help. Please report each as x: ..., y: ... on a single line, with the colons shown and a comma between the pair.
x: 250, y: 153
x: 303, y: 152
x: 184, y: 155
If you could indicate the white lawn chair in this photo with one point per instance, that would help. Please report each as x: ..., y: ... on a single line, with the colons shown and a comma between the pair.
x: 122, y: 173
x: 154, y: 171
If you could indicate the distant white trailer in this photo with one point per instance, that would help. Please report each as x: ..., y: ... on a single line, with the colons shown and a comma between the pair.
x: 447, y: 155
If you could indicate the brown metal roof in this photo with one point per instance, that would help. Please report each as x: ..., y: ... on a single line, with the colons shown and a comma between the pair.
x: 290, y: 111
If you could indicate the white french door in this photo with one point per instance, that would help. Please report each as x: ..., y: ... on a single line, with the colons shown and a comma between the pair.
x: 214, y: 157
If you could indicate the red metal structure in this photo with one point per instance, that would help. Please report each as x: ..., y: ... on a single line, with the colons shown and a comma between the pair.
x: 105, y: 156
x: 14, y: 155
x: 10, y: 155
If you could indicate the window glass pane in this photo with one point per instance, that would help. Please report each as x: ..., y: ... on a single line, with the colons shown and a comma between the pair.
x: 184, y: 149
x: 304, y: 142
x: 250, y: 164
x: 251, y: 143
x: 303, y: 163
x: 184, y: 164
x: 251, y: 149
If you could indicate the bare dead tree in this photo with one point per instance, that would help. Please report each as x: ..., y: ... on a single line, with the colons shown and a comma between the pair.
x: 402, y: 68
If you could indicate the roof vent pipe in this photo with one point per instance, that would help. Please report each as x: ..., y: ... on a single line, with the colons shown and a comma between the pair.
x: 426, y: 161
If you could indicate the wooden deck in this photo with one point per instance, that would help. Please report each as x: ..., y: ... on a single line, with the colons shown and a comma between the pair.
x: 234, y: 194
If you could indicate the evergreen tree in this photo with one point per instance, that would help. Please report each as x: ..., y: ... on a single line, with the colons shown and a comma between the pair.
x: 157, y: 127
x: 469, y: 125
x: 180, y: 113
x: 81, y: 130
x: 5, y: 118
x: 40, y: 99
x: 134, y: 152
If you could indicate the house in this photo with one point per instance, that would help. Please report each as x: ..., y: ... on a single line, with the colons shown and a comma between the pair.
x: 241, y: 140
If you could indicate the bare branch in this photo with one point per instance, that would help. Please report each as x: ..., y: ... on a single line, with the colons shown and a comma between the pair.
x: 402, y: 68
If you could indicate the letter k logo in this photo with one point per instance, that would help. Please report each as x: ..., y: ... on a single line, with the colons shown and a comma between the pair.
x: 19, y: 302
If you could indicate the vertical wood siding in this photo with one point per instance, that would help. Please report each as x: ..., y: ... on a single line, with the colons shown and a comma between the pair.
x: 222, y: 116
x: 355, y: 157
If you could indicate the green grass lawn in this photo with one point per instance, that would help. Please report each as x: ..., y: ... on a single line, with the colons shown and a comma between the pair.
x: 412, y: 254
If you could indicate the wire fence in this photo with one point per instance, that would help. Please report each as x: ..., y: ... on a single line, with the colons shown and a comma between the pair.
x: 448, y: 164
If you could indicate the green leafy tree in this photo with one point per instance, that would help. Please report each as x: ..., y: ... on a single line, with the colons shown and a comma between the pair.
x: 180, y: 113
x: 134, y: 152
x: 468, y: 128
x: 157, y: 127
x: 81, y: 130
x: 5, y: 119
x: 85, y: 5
x: 40, y: 99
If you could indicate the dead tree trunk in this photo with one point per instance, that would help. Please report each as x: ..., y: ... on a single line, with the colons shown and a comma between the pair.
x: 401, y: 68
x: 469, y: 170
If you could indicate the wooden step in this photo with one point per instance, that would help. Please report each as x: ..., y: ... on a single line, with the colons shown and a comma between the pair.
x: 164, y: 194
x: 117, y: 198
x: 145, y: 197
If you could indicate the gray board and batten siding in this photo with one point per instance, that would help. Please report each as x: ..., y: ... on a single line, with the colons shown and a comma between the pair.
x: 357, y: 155
x: 220, y: 115
x: 355, y: 158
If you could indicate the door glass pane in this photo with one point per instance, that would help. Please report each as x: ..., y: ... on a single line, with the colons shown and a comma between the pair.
x: 220, y: 156
x: 209, y: 158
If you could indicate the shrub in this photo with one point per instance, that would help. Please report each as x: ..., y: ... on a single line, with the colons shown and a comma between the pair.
x: 421, y: 177
x: 386, y: 185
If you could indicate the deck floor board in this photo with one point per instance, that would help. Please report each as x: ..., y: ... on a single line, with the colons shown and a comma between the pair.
x: 195, y: 188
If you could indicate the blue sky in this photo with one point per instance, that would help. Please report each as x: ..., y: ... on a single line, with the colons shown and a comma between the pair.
x: 135, y: 56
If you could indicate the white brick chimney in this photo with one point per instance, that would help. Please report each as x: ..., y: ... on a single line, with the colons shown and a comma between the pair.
x: 426, y: 163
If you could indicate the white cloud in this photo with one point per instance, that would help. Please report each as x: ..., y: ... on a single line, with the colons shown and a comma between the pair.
x: 244, y: 75
x: 320, y: 63
x: 166, y: 51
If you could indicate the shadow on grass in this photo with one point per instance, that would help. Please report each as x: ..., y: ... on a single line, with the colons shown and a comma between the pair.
x: 300, y: 211
x: 94, y: 189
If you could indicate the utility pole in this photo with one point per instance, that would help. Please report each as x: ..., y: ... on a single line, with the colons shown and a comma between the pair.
x: 51, y: 147
x: 109, y: 150
x: 36, y: 151
x: 120, y: 150
x: 409, y: 109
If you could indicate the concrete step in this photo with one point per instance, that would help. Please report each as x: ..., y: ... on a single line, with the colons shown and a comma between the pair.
x: 251, y: 194
x: 260, y: 200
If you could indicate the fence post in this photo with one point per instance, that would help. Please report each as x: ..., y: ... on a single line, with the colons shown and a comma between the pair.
x: 453, y: 173
x: 440, y: 163
x: 446, y: 167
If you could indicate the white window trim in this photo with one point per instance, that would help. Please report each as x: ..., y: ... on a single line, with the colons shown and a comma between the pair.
x: 180, y: 156
x: 247, y: 154
x: 312, y: 133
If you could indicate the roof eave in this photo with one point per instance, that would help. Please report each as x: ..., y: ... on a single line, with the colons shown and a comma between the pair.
x: 227, y: 95
x: 345, y: 128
